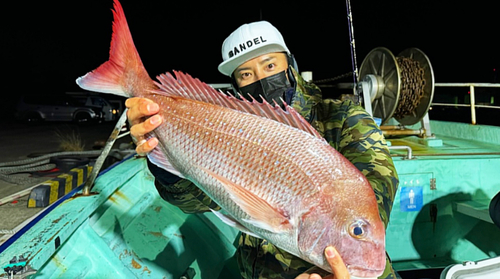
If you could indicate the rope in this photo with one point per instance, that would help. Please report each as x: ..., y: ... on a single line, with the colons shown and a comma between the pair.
x: 35, y: 166
x: 46, y: 156
x: 41, y: 163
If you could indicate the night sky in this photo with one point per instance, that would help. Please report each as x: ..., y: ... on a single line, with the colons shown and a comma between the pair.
x: 45, y: 46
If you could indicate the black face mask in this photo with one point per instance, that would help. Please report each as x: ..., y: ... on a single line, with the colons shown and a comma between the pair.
x: 271, y: 88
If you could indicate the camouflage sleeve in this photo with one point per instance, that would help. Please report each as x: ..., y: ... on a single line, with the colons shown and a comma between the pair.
x: 362, y: 143
x: 181, y: 192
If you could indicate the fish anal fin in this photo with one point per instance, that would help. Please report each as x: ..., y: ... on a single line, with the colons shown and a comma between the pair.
x: 263, y: 215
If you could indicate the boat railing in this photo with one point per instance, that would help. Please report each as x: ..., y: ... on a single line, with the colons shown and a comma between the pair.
x: 472, y: 94
x: 472, y: 97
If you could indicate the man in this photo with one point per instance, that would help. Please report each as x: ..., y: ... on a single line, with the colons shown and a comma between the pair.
x: 259, y: 64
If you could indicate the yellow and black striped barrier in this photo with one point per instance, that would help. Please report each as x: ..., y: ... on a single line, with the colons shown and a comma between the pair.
x: 50, y: 191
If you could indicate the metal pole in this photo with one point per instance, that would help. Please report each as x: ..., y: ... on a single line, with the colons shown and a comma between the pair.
x: 409, y: 151
x: 100, y: 160
x: 472, y: 105
x: 406, y: 132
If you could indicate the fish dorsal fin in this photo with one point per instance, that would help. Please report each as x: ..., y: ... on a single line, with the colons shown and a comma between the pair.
x: 185, y: 86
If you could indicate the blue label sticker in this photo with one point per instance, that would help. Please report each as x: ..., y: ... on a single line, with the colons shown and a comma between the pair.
x: 411, y: 198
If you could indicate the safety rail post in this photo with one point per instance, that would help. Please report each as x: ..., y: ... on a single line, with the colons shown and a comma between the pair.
x: 472, y: 97
x: 472, y: 105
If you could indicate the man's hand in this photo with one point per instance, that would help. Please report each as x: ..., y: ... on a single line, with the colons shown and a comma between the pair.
x: 336, y: 263
x: 142, y: 117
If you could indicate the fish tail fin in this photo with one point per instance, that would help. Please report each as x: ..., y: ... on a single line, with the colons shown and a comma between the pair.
x: 123, y: 74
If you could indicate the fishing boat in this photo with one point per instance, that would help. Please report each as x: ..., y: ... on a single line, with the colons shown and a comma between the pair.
x: 440, y: 223
x: 113, y: 224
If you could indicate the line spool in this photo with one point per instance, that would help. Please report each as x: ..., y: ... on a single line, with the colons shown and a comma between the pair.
x: 402, y: 87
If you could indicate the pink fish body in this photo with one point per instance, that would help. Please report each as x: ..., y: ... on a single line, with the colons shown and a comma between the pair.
x: 270, y: 171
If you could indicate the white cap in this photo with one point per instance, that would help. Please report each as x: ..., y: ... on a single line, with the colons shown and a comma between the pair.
x: 249, y: 41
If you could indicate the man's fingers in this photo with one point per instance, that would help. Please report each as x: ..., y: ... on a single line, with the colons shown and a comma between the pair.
x: 138, y: 131
x: 336, y: 262
x: 142, y: 119
x: 147, y: 146
x: 142, y: 128
x: 139, y: 108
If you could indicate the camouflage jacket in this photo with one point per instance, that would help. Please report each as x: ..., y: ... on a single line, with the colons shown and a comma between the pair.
x: 350, y: 130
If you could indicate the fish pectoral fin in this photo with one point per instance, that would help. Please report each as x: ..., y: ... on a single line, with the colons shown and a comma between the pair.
x: 263, y: 215
x: 233, y: 223
x: 158, y: 158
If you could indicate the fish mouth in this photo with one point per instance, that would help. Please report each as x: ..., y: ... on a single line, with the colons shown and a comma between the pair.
x: 362, y: 272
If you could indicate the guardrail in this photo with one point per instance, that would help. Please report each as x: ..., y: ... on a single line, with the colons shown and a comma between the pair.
x: 472, y: 103
x: 472, y: 86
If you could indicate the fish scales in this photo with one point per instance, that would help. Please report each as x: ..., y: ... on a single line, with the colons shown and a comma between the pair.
x: 268, y: 169
x: 255, y: 153
x: 222, y: 134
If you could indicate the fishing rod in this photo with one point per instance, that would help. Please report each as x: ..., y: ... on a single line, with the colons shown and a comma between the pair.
x: 353, y: 46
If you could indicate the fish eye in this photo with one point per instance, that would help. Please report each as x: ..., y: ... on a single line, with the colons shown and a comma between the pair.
x: 358, y: 229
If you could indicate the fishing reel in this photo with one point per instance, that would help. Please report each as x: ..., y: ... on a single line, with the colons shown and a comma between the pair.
x: 399, y: 87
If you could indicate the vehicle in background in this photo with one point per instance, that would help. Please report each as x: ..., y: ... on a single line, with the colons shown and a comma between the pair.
x: 60, y: 107
x: 95, y: 101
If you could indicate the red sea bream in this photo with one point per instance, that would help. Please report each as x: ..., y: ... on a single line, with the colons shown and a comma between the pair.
x: 270, y: 171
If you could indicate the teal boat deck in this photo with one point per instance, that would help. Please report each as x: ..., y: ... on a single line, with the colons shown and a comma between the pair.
x: 125, y: 231
x: 456, y: 138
